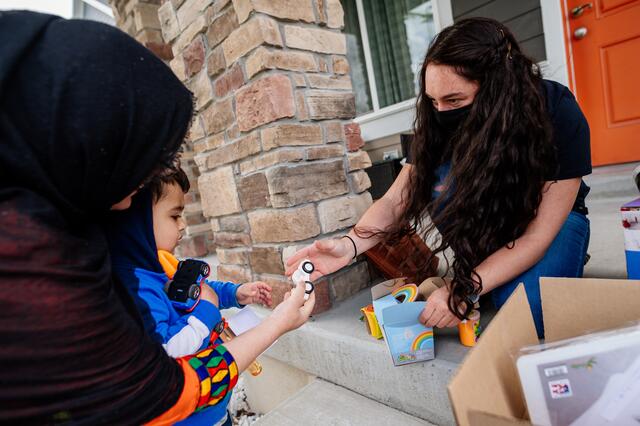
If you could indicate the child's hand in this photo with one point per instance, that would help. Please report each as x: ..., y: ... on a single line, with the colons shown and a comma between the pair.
x: 208, y: 294
x: 293, y: 311
x: 254, y: 292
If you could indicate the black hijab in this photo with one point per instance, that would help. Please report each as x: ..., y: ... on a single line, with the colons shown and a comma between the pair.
x: 86, y: 114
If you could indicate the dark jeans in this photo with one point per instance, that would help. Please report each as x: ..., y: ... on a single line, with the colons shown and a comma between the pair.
x: 229, y: 422
x: 564, y: 258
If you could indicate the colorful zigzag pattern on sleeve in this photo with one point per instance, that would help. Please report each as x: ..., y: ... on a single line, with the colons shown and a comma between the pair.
x: 218, y: 374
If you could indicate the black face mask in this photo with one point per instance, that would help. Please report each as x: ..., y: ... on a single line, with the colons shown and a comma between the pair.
x: 452, y: 119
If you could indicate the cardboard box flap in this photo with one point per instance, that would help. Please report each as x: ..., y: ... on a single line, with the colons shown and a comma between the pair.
x: 572, y: 306
x: 479, y: 418
x: 386, y: 287
x: 488, y: 381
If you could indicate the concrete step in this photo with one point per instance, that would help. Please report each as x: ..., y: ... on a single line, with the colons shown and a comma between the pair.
x: 606, y: 245
x: 335, y: 346
x: 612, y: 182
x: 322, y: 403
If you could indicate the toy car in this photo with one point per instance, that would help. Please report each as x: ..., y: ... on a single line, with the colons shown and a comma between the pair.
x: 184, y: 289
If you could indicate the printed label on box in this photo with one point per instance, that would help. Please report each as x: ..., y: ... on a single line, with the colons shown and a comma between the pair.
x: 560, y: 389
x: 556, y: 371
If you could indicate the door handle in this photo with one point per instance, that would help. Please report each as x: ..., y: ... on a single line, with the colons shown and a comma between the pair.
x: 580, y: 33
x: 579, y: 10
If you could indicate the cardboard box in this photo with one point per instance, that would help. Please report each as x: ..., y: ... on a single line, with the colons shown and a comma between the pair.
x: 631, y: 222
x: 408, y: 341
x: 486, y: 389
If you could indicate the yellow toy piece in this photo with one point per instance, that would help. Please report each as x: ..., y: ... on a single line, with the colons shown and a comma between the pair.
x: 469, y: 329
x: 371, y: 321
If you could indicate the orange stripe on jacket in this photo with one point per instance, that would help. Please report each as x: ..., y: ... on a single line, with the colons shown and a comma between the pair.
x: 186, y: 404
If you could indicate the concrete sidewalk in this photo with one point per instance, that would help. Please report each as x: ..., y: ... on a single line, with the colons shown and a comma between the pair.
x: 606, y: 245
x: 322, y: 403
x: 611, y: 187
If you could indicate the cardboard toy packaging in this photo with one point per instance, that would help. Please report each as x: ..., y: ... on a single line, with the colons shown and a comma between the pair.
x: 631, y: 222
x: 486, y: 389
x: 408, y: 341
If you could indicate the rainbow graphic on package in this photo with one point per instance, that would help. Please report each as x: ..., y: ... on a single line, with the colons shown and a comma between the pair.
x: 406, y: 293
x: 423, y: 341
x: 407, y: 339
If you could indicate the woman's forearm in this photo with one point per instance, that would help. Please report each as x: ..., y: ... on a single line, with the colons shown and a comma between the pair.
x: 507, y: 263
x: 378, y: 217
x: 384, y: 213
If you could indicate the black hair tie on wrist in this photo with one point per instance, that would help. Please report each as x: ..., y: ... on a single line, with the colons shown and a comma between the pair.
x: 355, y: 249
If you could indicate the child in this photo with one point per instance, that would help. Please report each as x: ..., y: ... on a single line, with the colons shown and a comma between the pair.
x: 187, y: 335
x: 159, y: 208
x: 154, y: 222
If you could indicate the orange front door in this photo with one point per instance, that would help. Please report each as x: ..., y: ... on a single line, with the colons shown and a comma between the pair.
x: 605, y: 46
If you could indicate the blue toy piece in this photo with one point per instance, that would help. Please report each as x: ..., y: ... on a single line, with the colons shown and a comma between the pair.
x: 184, y: 289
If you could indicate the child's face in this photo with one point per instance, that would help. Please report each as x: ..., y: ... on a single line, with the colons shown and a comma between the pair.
x: 167, y: 218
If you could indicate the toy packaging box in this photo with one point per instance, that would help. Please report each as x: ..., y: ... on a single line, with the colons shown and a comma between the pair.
x: 408, y: 341
x: 487, y: 389
x: 631, y: 222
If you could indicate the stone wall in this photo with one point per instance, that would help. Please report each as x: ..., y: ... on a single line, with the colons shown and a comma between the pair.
x: 139, y: 18
x: 278, y: 156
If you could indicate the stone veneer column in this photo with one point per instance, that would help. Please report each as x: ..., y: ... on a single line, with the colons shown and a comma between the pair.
x: 279, y: 158
x: 139, y: 18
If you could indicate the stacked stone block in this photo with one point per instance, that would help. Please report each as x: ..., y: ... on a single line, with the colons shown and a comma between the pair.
x: 139, y: 19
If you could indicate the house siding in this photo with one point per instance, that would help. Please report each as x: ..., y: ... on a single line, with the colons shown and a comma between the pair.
x: 522, y: 17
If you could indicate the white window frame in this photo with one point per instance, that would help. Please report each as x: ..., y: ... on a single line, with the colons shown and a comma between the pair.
x: 398, y: 118
x: 555, y: 67
x: 78, y: 7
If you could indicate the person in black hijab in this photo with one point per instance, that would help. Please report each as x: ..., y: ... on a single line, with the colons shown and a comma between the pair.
x: 86, y: 115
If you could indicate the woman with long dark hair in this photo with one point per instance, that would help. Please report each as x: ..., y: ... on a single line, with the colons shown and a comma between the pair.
x: 496, y: 167
x: 87, y: 115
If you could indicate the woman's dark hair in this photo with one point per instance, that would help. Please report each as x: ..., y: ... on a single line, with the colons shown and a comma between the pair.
x: 500, y: 156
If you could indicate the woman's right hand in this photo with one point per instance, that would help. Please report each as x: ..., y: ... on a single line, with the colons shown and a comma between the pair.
x: 327, y: 256
x: 293, y: 311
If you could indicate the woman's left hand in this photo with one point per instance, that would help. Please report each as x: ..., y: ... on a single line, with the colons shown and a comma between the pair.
x: 437, y: 313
